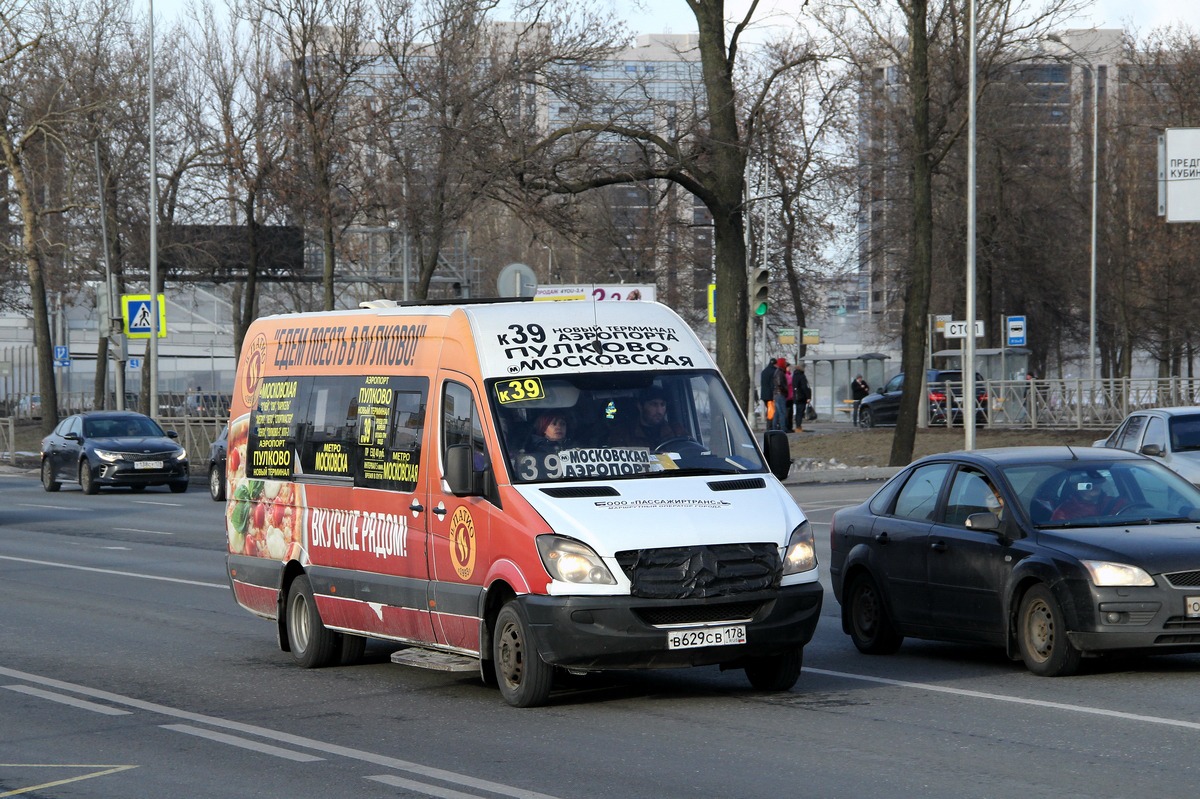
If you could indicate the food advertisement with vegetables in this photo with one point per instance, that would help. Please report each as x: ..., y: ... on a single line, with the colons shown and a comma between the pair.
x: 264, y: 518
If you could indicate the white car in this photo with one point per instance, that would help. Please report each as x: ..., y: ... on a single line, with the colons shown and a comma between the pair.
x: 1170, y: 436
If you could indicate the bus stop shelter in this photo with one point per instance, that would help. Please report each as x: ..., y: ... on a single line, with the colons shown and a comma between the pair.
x: 830, y: 377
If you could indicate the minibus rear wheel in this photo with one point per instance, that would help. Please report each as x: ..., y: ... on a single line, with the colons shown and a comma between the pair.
x: 775, y: 672
x: 524, y: 678
x: 313, y: 644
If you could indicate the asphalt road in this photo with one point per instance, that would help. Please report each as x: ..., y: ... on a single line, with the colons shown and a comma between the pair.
x: 126, y: 670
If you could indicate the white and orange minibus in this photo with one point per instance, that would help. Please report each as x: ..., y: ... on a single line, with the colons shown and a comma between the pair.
x: 515, y: 486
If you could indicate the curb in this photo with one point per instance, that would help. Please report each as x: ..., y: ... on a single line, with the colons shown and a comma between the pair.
x: 807, y: 475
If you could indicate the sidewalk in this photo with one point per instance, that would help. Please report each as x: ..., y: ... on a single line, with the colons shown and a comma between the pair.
x: 814, y: 470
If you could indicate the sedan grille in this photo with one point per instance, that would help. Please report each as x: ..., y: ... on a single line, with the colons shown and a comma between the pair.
x: 703, y: 571
x: 1184, y: 579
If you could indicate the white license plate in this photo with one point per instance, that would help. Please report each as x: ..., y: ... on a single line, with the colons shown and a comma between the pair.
x: 1191, y: 607
x: 148, y: 464
x: 709, y: 636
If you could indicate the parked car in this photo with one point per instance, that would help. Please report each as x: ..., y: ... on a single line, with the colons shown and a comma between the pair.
x: 1052, y: 553
x: 1169, y: 435
x: 30, y: 407
x: 113, y: 448
x: 216, y: 465
x: 206, y: 405
x: 945, y: 399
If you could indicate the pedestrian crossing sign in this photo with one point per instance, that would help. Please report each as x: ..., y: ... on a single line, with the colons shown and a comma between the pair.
x: 135, y: 311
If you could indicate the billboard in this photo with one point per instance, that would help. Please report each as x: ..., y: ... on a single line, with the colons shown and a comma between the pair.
x: 1180, y: 174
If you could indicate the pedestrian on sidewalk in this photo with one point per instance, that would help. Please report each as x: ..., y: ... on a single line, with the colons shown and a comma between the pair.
x: 802, y: 395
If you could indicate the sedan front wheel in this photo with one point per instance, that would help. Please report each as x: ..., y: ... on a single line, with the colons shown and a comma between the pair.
x: 87, y: 480
x: 1042, y: 635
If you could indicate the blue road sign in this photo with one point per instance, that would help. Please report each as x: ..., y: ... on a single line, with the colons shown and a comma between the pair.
x: 1016, y: 331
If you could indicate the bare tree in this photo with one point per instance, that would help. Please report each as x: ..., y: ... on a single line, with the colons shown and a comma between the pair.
x: 703, y: 149
x: 242, y: 75
x: 326, y: 43
x: 913, y: 55
x: 35, y: 117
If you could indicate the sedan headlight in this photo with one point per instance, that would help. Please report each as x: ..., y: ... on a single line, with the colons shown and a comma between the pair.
x: 110, y: 457
x: 1105, y: 574
x: 801, y: 552
x: 569, y: 561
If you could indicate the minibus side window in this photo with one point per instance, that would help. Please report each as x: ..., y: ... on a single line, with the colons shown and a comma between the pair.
x: 277, y: 428
x: 460, y: 423
x: 391, y: 421
x: 331, y: 430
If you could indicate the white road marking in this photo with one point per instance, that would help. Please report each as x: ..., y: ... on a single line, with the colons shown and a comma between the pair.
x: 163, y: 504
x: 244, y: 743
x: 114, y: 572
x: 382, y: 761
x: 1016, y: 700
x: 51, y: 507
x: 421, y: 787
x: 137, y: 530
x: 67, y: 700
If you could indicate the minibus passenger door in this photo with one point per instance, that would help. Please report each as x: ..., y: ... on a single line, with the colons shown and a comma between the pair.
x: 460, y: 514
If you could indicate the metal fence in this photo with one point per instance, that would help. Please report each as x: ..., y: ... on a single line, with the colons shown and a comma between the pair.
x: 1080, y: 403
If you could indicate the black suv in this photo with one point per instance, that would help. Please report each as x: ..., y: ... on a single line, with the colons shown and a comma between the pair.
x: 945, y: 399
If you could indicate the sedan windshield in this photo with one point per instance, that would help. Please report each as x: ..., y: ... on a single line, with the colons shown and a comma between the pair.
x: 121, y: 427
x: 603, y: 426
x: 1099, y: 493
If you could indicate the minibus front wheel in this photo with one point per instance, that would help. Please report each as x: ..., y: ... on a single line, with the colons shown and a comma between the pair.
x: 775, y: 672
x: 313, y: 644
x: 524, y: 678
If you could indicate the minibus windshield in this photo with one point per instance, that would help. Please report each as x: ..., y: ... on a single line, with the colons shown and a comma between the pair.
x: 590, y: 426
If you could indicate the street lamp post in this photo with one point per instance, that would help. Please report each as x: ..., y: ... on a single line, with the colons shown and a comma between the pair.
x: 1092, y: 255
x: 968, y: 392
x: 1094, y: 76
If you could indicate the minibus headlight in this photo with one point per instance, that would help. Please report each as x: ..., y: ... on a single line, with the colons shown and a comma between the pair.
x: 569, y: 561
x: 801, y: 553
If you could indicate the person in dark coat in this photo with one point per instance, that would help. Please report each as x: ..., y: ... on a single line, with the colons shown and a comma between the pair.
x: 858, y: 392
x: 779, y: 392
x: 766, y: 390
x: 801, y: 395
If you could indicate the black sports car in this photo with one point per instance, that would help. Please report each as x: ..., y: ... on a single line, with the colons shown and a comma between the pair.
x: 1053, y: 553
x: 113, y: 448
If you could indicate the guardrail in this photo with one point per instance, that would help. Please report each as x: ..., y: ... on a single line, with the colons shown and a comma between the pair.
x: 196, y: 434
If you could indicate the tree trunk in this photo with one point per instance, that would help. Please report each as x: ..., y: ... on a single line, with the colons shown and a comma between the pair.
x: 725, y: 200
x: 916, y: 298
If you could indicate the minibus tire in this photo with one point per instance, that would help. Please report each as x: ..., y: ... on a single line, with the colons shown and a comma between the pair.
x: 313, y: 645
x: 524, y: 678
x: 775, y: 672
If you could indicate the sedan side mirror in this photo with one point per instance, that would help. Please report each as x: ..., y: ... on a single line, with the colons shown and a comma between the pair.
x: 72, y: 437
x: 983, y: 521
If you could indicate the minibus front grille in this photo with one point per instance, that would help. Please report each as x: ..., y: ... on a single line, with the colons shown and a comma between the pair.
x: 581, y: 492
x: 701, y: 571
x: 679, y: 615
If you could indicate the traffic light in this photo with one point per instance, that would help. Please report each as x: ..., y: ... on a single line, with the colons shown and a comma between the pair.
x: 759, y: 286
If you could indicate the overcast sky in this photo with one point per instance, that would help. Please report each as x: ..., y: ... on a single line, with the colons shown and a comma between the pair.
x: 672, y: 16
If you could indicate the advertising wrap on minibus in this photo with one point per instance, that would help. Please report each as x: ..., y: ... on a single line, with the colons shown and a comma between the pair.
x: 519, y: 487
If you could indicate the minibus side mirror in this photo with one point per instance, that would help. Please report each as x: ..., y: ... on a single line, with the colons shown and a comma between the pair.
x: 778, y: 452
x: 459, y: 473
